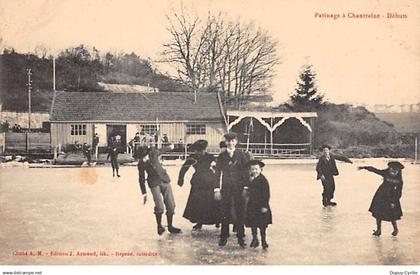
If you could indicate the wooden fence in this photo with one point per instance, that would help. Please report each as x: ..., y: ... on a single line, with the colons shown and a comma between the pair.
x: 27, y: 143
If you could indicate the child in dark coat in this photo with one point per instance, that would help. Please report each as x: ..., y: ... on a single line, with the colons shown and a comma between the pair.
x: 258, y: 213
x: 385, y: 204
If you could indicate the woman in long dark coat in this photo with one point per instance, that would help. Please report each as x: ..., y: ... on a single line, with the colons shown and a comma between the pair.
x: 201, y: 207
x: 386, y: 204
x: 258, y: 212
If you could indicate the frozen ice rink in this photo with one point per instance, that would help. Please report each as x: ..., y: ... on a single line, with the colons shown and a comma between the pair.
x: 85, y: 210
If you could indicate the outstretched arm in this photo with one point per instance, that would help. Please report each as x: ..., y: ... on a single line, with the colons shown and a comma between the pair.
x: 373, y: 170
x: 342, y: 158
x: 187, y: 164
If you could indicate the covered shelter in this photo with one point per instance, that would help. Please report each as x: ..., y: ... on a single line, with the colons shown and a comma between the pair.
x: 273, y: 134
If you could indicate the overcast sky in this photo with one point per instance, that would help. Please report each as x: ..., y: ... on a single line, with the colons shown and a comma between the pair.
x: 371, y: 61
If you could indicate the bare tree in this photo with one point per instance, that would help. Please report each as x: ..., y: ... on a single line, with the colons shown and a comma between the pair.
x: 219, y: 55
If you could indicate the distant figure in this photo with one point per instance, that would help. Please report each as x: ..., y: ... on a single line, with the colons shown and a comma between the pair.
x: 180, y: 145
x: 201, y: 207
x: 95, y: 140
x: 6, y: 126
x: 165, y: 140
x: 113, y: 154
x: 87, y: 152
x: 143, y: 138
x: 156, y: 139
x: 136, y: 137
x: 134, y: 143
x: 117, y: 138
x: 326, y: 170
x: 386, y: 204
x: 258, y: 214
x: 76, y: 146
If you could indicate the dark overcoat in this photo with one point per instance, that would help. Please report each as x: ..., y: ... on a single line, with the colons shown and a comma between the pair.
x: 386, y: 201
x: 156, y: 174
x: 201, y: 206
x: 259, y: 197
x: 231, y: 177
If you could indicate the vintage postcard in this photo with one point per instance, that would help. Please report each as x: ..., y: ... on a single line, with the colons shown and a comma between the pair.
x: 209, y: 133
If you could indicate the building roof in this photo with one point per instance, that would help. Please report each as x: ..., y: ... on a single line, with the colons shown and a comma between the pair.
x: 134, y: 107
x: 127, y: 88
x: 271, y: 114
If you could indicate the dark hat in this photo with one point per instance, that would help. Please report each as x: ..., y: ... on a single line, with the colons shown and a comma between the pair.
x: 255, y: 162
x: 230, y: 136
x: 222, y: 144
x: 199, y: 145
x: 142, y: 152
x: 396, y: 165
x: 324, y: 146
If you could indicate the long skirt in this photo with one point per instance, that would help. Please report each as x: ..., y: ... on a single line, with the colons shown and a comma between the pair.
x: 201, y: 206
x: 381, y: 205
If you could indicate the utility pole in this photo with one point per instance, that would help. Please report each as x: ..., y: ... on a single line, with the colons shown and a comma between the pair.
x: 53, y: 73
x: 29, y: 98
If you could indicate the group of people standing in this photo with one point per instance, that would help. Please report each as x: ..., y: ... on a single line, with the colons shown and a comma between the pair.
x: 229, y: 189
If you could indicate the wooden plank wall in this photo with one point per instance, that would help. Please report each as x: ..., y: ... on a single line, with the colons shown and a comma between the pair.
x: 61, y: 134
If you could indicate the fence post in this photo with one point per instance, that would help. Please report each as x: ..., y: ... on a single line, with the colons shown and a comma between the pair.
x: 27, y: 142
x: 185, y: 151
x: 55, y: 153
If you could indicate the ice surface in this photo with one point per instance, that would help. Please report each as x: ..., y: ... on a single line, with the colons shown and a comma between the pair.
x: 86, y: 210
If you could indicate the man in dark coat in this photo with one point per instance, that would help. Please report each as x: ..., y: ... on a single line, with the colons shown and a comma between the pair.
x: 326, y: 170
x: 113, y: 154
x: 231, y: 166
x: 160, y: 187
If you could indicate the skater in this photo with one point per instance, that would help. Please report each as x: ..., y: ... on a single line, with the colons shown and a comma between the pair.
x: 113, y: 154
x: 159, y: 183
x: 385, y: 204
x: 326, y: 170
x: 231, y: 167
x: 258, y: 213
x: 201, y: 207
x: 87, y: 152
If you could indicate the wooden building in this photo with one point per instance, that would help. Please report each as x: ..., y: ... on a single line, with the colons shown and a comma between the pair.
x: 273, y: 134
x: 77, y: 116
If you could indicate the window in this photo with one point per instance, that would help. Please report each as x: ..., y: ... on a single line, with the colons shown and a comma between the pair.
x: 196, y: 129
x: 78, y: 129
x: 150, y: 129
